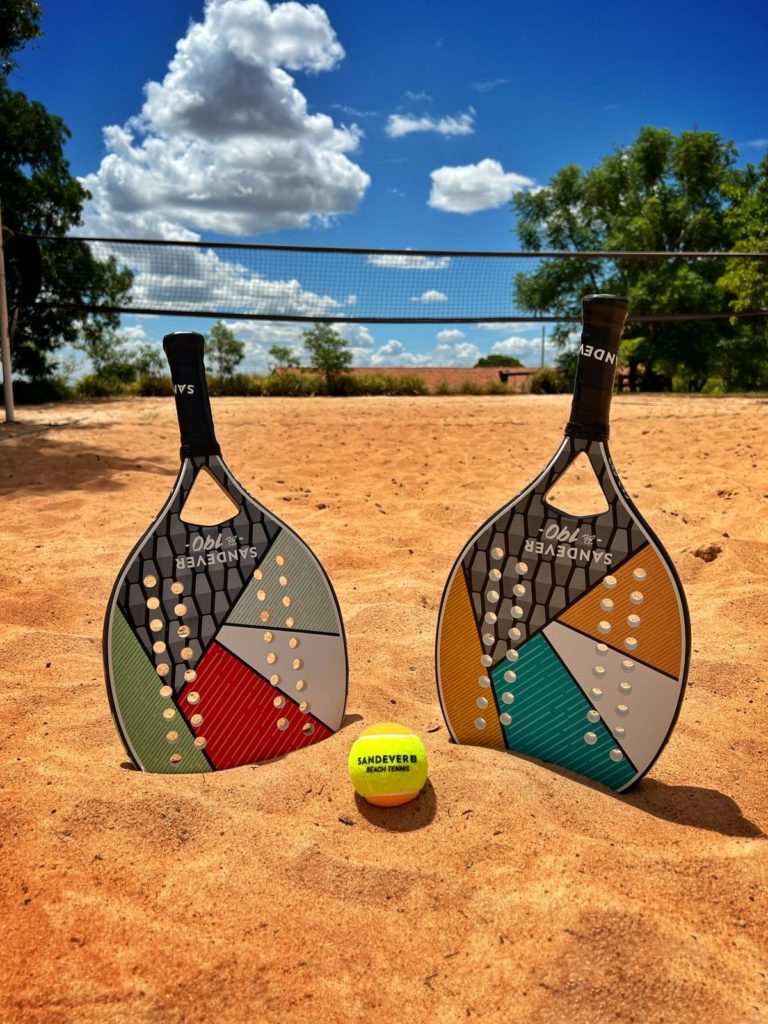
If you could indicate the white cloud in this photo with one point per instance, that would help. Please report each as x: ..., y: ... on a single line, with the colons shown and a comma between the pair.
x: 353, y: 111
x: 449, y: 352
x: 399, y: 125
x: 462, y: 353
x: 489, y: 86
x: 509, y: 325
x: 449, y: 335
x: 225, y: 142
x: 134, y: 334
x: 407, y: 262
x: 195, y: 279
x: 430, y: 296
x: 474, y: 187
x: 394, y: 353
x: 527, y: 350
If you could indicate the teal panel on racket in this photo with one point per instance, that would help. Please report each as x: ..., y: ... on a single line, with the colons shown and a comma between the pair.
x: 289, y: 584
x: 544, y: 713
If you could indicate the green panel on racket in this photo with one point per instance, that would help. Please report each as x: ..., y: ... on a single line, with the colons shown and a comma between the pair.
x: 284, y: 592
x: 187, y: 583
x: 157, y: 729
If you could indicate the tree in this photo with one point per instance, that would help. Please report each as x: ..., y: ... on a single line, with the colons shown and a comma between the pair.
x: 661, y: 193
x: 747, y: 220
x: 148, y: 361
x: 19, y: 25
x: 498, y: 360
x: 284, y: 358
x: 113, y: 365
x: 742, y: 360
x: 328, y: 354
x: 223, y: 349
x: 40, y: 197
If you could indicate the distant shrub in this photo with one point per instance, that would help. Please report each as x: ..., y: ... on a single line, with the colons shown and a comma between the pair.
x: 714, y: 386
x: 548, y: 382
x: 292, y: 385
x: 410, y: 384
x: 37, y: 392
x: 495, y: 387
x: 382, y: 384
x: 153, y: 386
x: 93, y: 386
x: 235, y: 384
x: 443, y: 388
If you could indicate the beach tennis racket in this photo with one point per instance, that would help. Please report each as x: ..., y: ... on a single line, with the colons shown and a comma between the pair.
x: 566, y: 637
x: 223, y: 644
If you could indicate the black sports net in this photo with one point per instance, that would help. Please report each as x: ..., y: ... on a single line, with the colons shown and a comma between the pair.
x: 302, y: 283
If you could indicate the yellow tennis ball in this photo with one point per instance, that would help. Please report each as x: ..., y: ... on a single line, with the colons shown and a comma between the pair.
x: 388, y: 764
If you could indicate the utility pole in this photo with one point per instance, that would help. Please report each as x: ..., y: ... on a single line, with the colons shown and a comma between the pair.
x: 5, y: 344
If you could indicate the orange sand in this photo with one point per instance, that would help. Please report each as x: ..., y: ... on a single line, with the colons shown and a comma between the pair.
x: 507, y: 891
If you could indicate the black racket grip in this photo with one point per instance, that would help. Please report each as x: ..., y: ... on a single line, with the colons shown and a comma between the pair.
x: 603, y: 318
x: 184, y: 350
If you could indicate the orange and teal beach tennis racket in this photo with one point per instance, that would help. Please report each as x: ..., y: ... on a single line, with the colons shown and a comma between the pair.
x: 566, y: 637
x: 223, y: 644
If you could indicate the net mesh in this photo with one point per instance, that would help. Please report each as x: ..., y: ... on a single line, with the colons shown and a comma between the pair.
x: 315, y: 284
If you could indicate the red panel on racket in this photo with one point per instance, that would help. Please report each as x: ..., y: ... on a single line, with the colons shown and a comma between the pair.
x: 248, y: 590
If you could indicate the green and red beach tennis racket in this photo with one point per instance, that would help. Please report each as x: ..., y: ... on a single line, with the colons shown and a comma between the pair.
x: 566, y: 637
x: 223, y: 644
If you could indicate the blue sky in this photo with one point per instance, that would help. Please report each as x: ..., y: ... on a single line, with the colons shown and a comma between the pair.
x: 372, y: 123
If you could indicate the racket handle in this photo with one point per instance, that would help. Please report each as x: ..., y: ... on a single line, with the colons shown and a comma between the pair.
x: 184, y: 350
x: 603, y: 318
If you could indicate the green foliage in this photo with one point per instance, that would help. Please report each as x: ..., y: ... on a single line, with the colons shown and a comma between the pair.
x: 19, y: 25
x: 742, y: 360
x: 39, y: 392
x: 100, y: 386
x: 293, y: 385
x: 714, y: 386
x: 283, y: 357
x: 498, y: 360
x: 548, y: 382
x: 747, y: 220
x: 154, y: 386
x: 662, y: 193
x: 223, y: 351
x: 148, y: 361
x: 40, y: 196
x: 106, y: 351
x: 383, y: 384
x: 328, y: 355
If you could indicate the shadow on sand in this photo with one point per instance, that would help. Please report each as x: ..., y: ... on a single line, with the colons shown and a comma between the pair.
x: 35, y: 458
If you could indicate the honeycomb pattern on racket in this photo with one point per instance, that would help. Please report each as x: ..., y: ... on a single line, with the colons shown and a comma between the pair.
x: 566, y: 638
x: 224, y: 643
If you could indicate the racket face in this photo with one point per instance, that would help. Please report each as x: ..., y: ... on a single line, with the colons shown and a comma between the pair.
x: 565, y: 638
x: 224, y: 644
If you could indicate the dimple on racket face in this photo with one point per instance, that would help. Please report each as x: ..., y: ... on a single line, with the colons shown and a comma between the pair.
x: 223, y: 644
x: 564, y: 637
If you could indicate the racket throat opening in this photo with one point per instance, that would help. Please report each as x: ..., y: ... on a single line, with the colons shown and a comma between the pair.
x: 207, y: 502
x: 577, y: 492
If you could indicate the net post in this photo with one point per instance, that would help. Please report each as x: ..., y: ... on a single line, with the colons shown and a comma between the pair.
x: 5, y: 345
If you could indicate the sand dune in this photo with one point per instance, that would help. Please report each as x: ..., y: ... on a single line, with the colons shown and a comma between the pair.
x: 508, y: 891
